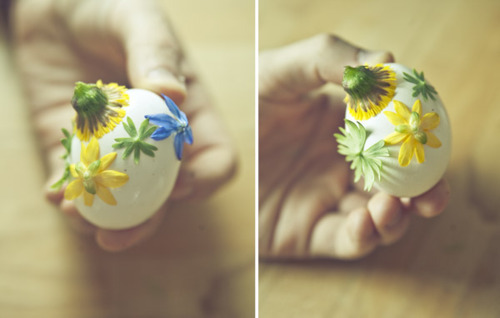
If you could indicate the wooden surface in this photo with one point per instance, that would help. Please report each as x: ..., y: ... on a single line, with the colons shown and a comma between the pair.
x: 445, y: 267
x: 201, y: 261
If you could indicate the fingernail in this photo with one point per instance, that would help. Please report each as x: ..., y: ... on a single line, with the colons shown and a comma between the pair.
x: 375, y: 57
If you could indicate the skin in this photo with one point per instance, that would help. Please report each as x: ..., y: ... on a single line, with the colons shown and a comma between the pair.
x: 129, y: 42
x: 308, y: 206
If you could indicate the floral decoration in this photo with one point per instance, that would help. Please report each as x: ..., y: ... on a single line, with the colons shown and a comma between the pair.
x: 178, y: 125
x: 369, y: 89
x: 135, y: 143
x: 421, y: 86
x: 412, y: 130
x: 99, y: 108
x: 367, y: 163
x: 92, y: 176
x: 66, y: 142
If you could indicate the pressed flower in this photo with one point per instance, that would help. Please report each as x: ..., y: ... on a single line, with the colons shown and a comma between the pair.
x: 66, y: 143
x: 168, y: 125
x: 136, y: 142
x: 420, y: 87
x: 369, y: 89
x: 365, y: 162
x: 92, y: 176
x: 412, y: 130
x: 99, y: 108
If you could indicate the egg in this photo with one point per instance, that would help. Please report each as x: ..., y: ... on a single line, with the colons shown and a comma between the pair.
x: 143, y: 179
x: 426, y: 125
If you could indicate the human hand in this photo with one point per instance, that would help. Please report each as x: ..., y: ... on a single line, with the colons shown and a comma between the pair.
x: 308, y: 205
x: 129, y: 42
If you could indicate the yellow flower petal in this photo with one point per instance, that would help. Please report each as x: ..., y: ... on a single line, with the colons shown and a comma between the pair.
x: 73, y: 171
x: 395, y: 138
x: 107, y: 160
x: 88, y: 199
x: 402, y: 110
x: 417, y: 107
x: 91, y: 152
x: 73, y: 190
x: 111, y: 178
x: 395, y: 118
x: 432, y: 140
x: 406, y: 151
x: 419, y: 152
x: 106, y: 195
x: 430, y: 121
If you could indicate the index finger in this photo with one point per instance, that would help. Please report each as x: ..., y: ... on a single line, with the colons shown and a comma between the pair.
x: 293, y: 70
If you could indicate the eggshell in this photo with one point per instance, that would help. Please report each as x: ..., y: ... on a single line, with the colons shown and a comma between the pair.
x: 416, y: 178
x: 150, y: 182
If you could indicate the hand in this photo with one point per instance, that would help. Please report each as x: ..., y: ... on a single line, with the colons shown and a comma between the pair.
x: 129, y: 42
x: 308, y: 206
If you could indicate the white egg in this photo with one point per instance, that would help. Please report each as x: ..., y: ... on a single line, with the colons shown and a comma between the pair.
x: 416, y: 178
x: 150, y: 182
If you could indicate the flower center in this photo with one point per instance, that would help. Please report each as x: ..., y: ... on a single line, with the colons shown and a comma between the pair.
x: 417, y: 132
x: 88, y: 99
x: 413, y: 128
x: 359, y: 81
x: 88, y: 174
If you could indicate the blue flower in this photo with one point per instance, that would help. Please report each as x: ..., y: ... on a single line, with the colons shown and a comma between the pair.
x: 168, y: 125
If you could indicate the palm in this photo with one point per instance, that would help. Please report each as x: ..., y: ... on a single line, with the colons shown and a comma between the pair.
x: 60, y: 43
x: 301, y: 173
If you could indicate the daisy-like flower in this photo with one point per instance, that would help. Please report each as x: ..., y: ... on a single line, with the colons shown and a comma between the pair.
x: 93, y: 177
x: 369, y: 89
x: 167, y: 125
x: 413, y: 130
x: 99, y: 108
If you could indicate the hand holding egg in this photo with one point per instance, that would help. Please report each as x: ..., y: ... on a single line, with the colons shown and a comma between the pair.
x: 125, y: 154
x: 397, y: 130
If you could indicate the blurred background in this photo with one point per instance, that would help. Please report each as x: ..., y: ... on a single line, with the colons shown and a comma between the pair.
x: 200, y: 263
x: 444, y: 267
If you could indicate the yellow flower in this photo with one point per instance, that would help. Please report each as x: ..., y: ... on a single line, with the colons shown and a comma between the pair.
x: 98, y: 108
x: 369, y: 89
x: 92, y: 177
x: 413, y: 130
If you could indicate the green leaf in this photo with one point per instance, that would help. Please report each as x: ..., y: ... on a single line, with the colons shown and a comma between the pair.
x: 149, y: 146
x: 421, y: 86
x: 135, y: 142
x: 364, y: 162
x: 146, y: 150
x: 143, y: 127
x: 66, y: 174
x: 137, y: 155
x: 127, y: 151
x: 149, y: 132
x: 130, y: 128
x: 119, y: 145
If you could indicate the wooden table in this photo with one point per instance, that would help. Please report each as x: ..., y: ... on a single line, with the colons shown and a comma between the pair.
x: 445, y: 267
x: 201, y: 261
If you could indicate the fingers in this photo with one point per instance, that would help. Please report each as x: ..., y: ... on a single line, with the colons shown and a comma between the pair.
x: 152, y: 50
x: 112, y: 240
x: 354, y: 235
x: 293, y: 70
x: 119, y: 240
x: 389, y: 217
x: 211, y: 160
x: 433, y: 202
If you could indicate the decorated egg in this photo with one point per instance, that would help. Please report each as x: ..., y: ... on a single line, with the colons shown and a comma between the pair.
x: 397, y: 133
x: 124, y: 154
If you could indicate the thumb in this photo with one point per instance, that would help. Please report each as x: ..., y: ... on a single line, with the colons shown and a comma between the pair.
x: 298, y: 68
x: 153, y: 53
